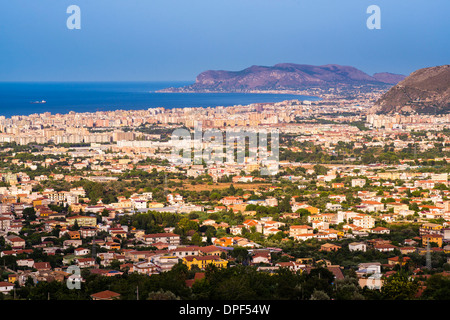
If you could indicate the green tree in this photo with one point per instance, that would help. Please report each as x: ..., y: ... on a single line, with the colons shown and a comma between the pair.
x: 399, y: 287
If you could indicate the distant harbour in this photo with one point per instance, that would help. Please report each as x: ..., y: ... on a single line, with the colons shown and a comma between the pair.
x: 21, y: 98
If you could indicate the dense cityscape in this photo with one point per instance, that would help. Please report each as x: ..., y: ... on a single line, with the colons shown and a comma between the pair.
x: 97, y: 206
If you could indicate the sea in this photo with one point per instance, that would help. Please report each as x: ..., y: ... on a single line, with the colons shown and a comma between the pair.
x: 22, y: 98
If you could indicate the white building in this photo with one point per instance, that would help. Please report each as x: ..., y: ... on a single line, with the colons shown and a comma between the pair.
x: 357, y: 246
x: 6, y: 287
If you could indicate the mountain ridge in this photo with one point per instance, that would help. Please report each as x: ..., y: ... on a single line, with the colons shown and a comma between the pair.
x: 285, y: 76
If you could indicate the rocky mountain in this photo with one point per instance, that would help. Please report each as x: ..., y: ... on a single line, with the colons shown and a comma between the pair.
x: 426, y: 90
x: 284, y: 76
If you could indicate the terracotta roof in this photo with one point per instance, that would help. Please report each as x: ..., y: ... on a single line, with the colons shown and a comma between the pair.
x: 6, y: 284
x: 191, y: 258
x: 104, y: 295
x: 161, y: 235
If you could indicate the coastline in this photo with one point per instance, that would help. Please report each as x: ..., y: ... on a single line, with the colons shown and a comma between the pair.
x: 62, y: 98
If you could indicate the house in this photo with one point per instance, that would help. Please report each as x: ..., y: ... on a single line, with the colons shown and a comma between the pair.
x: 236, y: 230
x: 145, y: 267
x: 384, y: 247
x: 6, y: 287
x: 410, y: 242
x: 95, y: 209
x: 88, y: 232
x: 203, y: 261
x: 211, y: 250
x: 368, y: 268
x: 337, y: 272
x: 15, y: 241
x: 81, y: 251
x: 231, y: 200
x: 166, y: 238
x: 397, y: 206
x: 242, y: 179
x: 181, y: 252
x: 387, y: 217
x: 320, y: 225
x: 261, y: 257
x: 12, y: 277
x: 380, y: 230
x: 174, y: 198
x: 271, y: 202
x: 105, y: 295
x: 372, y: 206
x: 118, y: 232
x: 296, y: 230
x: 139, y: 204
x: 5, y: 223
x: 250, y: 223
x: 328, y: 247
x: 432, y: 238
x: 312, y: 210
x: 208, y: 222
x: 358, y: 183
x: 72, y: 243
x: 111, y: 245
x: 224, y: 242
x: 138, y: 255
x: 25, y: 263
x: 74, y: 235
x: 82, y: 221
x: 85, y: 262
x: 164, y: 262
x: 364, y: 221
x: 398, y: 260
x: 291, y: 265
x: 357, y: 246
x: 41, y: 266
x: 430, y: 228
x: 333, y: 206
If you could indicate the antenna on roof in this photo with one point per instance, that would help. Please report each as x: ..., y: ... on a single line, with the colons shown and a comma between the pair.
x: 93, y: 247
x: 165, y: 184
x: 428, y: 258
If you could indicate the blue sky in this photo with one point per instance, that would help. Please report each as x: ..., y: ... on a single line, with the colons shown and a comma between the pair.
x: 163, y: 40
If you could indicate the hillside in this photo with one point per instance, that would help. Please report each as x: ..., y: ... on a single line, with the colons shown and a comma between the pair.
x: 426, y: 90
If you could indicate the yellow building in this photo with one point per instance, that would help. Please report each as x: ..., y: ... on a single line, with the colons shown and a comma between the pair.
x: 313, y: 210
x: 203, y: 261
x: 430, y: 228
x: 224, y: 242
x: 37, y: 202
x: 397, y: 206
x: 74, y: 235
x: 12, y: 277
x: 155, y: 205
x: 82, y: 221
x: 434, y: 238
x: 252, y: 167
x: 77, y: 207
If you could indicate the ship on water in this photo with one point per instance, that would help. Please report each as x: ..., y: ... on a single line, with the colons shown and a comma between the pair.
x: 39, y: 102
